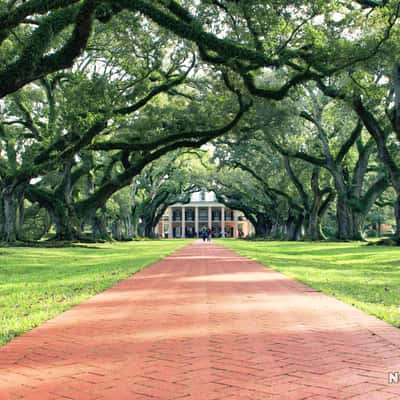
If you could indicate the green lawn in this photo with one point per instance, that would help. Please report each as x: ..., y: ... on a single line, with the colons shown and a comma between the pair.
x: 38, y: 283
x: 367, y: 277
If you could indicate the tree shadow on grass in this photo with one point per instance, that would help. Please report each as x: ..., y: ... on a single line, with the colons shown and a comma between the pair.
x: 49, y: 245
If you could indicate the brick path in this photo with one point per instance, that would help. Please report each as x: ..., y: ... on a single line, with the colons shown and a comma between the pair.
x: 205, y: 324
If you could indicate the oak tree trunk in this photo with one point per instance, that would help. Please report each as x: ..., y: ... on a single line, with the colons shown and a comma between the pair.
x: 99, y: 226
x: 314, y: 225
x: 358, y: 220
x: 64, y: 223
x: 10, y: 214
x: 397, y: 216
x: 343, y: 218
x: 116, y: 229
x: 2, y: 218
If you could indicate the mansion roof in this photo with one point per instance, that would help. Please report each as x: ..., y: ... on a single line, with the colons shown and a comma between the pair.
x: 202, y: 198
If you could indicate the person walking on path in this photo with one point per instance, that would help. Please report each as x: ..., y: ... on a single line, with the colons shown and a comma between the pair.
x: 204, y: 234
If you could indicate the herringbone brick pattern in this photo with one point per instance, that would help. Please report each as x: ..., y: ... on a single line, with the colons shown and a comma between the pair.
x: 205, y: 324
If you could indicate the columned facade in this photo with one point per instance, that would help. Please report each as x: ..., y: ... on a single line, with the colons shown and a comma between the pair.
x: 203, y: 212
x: 223, y: 220
x: 183, y: 228
x: 196, y: 219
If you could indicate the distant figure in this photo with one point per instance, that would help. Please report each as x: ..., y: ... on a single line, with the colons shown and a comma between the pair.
x: 204, y: 234
x: 209, y: 234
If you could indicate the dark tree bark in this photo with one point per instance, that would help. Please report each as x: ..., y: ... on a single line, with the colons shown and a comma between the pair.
x: 149, y: 230
x: 318, y: 207
x: 128, y: 227
x: 65, y: 223
x: 352, y: 206
x: 397, y: 216
x: 99, y: 226
x: 10, y: 214
x: 62, y: 215
x: 294, y: 227
x: 312, y: 205
x: 297, y: 212
x: 344, y: 218
x: 377, y: 131
x: 20, y: 216
x: 12, y: 197
x: 380, y: 136
x: 262, y: 225
x: 2, y: 217
x: 116, y: 229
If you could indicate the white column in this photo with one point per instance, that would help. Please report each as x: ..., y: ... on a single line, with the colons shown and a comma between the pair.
x: 235, y: 224
x: 170, y: 231
x: 196, y: 220
x: 183, y: 234
x: 223, y: 221
x: 209, y: 218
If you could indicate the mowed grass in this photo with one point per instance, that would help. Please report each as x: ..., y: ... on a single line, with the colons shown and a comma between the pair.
x: 367, y: 277
x: 38, y: 283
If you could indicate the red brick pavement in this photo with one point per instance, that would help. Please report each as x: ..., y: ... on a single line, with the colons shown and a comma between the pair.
x: 205, y: 324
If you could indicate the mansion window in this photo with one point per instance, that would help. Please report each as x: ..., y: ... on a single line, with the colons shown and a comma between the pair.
x: 189, y: 214
x: 203, y: 214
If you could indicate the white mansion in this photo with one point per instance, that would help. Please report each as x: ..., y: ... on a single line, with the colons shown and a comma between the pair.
x: 202, y: 212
